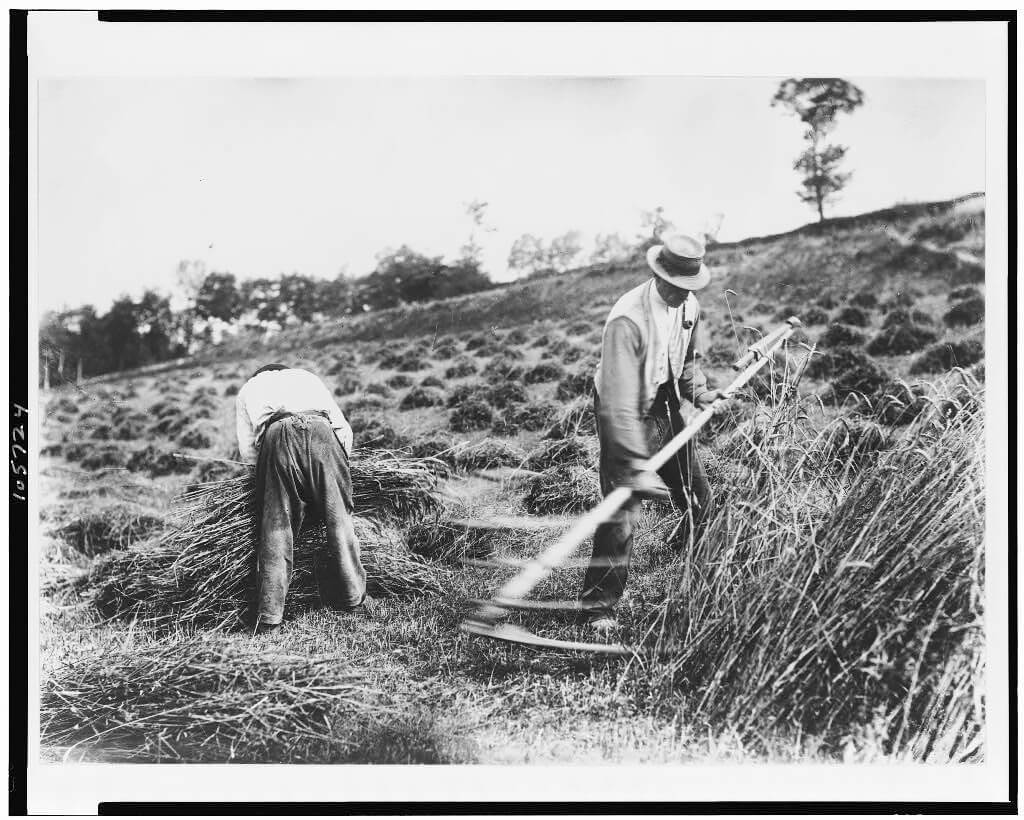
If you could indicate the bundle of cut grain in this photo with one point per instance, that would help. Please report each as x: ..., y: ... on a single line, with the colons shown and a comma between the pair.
x: 201, y: 572
x: 199, y: 700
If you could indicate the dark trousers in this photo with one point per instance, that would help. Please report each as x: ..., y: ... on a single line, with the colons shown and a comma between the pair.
x: 605, y: 579
x: 302, y: 467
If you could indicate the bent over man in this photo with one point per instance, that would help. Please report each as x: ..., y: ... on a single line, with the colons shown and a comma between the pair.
x: 647, y: 387
x: 290, y: 426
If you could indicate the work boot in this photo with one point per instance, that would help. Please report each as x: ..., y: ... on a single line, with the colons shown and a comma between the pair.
x: 263, y: 628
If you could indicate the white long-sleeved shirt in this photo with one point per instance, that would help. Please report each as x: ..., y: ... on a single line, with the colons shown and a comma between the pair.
x: 290, y: 391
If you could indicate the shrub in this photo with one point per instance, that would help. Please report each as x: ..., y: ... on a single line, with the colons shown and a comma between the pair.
x: 814, y: 316
x: 580, y: 328
x: 422, y: 397
x: 852, y: 316
x: 472, y: 414
x: 516, y: 336
x: 827, y: 301
x: 837, y: 335
x: 762, y: 307
x: 231, y: 390
x: 541, y: 341
x: 399, y: 381
x: 947, y: 355
x: 101, y: 432
x: 565, y: 488
x: 896, y: 340
x: 462, y: 366
x: 574, y: 385
x: 432, y: 381
x: 969, y: 312
x: 543, y: 372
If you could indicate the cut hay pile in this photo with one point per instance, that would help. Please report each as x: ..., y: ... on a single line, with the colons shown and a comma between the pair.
x: 201, y: 572
x: 580, y: 450
x: 485, y: 454
x: 199, y: 701
x: 109, y: 527
x: 855, y: 621
x: 565, y: 488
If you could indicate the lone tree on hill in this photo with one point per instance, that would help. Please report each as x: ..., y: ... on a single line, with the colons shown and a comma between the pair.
x: 817, y: 101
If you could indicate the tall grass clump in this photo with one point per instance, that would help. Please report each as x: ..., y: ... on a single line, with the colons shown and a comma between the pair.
x: 841, y: 598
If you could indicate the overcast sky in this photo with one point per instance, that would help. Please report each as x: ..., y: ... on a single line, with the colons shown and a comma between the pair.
x: 262, y: 177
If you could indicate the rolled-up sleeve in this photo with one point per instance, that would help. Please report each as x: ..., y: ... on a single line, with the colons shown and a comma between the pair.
x: 621, y: 388
x: 244, y: 431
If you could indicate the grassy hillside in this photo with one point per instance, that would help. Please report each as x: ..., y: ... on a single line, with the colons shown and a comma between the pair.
x: 833, y: 612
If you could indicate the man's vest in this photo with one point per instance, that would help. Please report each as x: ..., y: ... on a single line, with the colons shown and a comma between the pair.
x: 636, y: 306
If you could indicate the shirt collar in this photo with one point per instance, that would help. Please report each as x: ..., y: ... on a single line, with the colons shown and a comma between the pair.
x: 656, y: 301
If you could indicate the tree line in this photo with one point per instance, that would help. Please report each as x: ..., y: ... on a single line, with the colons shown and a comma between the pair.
x: 83, y: 342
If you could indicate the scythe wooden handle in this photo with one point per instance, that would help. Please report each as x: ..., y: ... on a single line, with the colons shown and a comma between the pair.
x: 540, y: 567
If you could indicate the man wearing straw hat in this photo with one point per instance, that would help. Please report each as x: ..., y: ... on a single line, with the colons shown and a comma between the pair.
x: 647, y: 387
x: 290, y: 426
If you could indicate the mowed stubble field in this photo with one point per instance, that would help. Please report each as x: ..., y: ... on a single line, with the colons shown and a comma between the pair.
x: 833, y: 613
